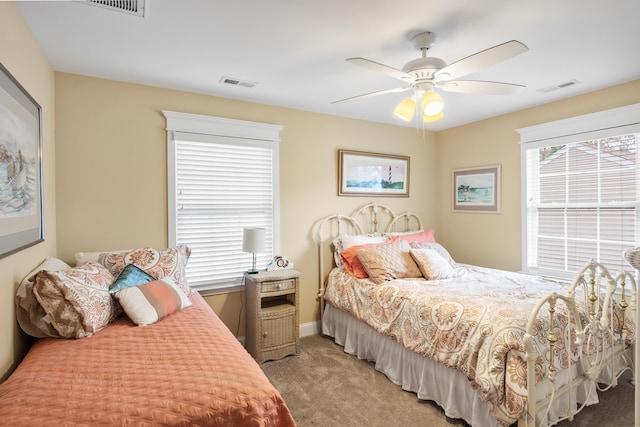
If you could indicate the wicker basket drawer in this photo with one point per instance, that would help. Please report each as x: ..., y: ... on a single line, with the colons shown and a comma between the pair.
x: 281, y: 285
x: 278, y: 325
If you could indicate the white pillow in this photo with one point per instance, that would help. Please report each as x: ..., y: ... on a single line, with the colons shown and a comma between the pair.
x: 147, y: 303
x: 432, y: 265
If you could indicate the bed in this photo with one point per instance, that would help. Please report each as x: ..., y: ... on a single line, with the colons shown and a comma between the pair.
x: 475, y: 340
x: 181, y: 368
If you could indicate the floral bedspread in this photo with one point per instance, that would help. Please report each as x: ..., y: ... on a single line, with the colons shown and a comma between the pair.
x: 474, y: 322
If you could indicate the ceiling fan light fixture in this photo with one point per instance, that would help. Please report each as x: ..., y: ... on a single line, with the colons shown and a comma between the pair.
x: 432, y: 104
x: 429, y: 119
x: 405, y: 109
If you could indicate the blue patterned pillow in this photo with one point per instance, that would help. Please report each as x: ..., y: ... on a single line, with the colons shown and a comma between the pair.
x: 130, y: 276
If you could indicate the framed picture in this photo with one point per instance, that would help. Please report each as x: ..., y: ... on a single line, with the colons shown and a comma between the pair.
x: 477, y: 190
x: 21, y: 221
x: 370, y: 174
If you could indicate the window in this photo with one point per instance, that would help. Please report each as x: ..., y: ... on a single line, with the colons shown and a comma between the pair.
x: 580, y: 192
x: 223, y: 177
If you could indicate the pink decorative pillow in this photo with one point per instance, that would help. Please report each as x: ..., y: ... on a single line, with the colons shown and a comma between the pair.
x: 351, y: 262
x: 389, y: 261
x: 171, y: 262
x: 76, y: 301
x: 147, y: 303
x: 422, y: 236
x: 432, y: 265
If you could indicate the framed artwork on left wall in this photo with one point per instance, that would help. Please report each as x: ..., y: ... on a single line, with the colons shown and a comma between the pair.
x: 21, y: 210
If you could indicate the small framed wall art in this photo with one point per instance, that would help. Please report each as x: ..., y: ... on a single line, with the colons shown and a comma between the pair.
x: 372, y: 174
x: 477, y: 189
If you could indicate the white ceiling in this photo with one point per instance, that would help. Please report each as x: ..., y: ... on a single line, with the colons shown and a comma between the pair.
x: 295, y: 50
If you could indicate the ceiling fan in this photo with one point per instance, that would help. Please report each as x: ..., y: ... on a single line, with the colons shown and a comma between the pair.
x: 424, y: 74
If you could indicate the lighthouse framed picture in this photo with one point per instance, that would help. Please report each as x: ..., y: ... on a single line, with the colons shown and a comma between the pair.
x: 21, y: 216
x: 372, y: 174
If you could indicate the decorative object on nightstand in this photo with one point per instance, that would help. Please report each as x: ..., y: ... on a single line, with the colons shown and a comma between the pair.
x: 253, y: 241
x: 273, y: 326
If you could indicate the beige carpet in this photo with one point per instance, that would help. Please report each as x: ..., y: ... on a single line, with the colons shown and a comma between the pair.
x: 323, y: 386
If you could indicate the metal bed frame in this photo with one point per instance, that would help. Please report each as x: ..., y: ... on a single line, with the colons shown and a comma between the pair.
x: 377, y: 218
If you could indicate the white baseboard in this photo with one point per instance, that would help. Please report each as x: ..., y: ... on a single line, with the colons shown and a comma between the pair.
x: 306, y: 329
x: 310, y: 328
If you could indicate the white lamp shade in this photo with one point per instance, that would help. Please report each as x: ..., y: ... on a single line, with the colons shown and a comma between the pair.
x: 428, y: 119
x: 253, y: 239
x: 432, y: 104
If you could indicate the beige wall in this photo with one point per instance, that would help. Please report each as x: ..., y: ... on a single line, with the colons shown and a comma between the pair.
x: 21, y: 55
x: 488, y: 239
x: 111, y: 171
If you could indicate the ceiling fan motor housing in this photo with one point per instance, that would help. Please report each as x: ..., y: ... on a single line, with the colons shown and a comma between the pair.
x: 424, y: 68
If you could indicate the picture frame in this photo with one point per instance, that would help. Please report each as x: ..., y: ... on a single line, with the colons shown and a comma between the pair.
x: 362, y: 173
x: 21, y: 206
x: 477, y: 189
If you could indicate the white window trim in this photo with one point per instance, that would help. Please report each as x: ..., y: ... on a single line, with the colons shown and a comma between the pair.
x: 218, y: 126
x: 589, y: 126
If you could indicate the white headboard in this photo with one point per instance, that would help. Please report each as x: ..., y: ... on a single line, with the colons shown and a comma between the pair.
x: 371, y: 218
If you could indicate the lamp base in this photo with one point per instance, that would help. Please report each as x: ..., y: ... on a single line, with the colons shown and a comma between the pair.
x: 252, y: 271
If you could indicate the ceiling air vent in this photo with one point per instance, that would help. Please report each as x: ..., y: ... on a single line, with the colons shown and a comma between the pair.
x: 132, y: 7
x: 237, y: 82
x: 559, y: 86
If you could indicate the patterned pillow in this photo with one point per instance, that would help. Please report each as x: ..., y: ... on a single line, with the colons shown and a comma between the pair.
x: 170, y: 262
x: 147, y: 303
x: 130, y: 276
x: 432, y: 265
x: 389, y: 261
x: 29, y: 312
x: 436, y: 247
x: 352, y: 264
x: 76, y: 301
x: 345, y: 241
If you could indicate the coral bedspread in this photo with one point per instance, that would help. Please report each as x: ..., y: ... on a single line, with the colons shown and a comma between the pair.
x: 187, y: 369
x: 473, y: 322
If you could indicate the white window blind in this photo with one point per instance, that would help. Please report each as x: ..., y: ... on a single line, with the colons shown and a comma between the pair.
x: 580, y: 193
x: 220, y: 185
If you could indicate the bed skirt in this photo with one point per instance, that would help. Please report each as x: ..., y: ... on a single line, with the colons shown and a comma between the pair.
x: 430, y: 380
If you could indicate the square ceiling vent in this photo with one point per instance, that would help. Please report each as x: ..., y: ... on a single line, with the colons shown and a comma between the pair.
x: 132, y: 7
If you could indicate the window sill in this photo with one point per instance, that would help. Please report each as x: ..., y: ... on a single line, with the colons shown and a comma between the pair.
x: 205, y: 290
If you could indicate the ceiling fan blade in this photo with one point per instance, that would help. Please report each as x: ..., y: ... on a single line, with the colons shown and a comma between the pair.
x: 381, y: 68
x: 481, y: 60
x: 380, y: 92
x: 480, y: 87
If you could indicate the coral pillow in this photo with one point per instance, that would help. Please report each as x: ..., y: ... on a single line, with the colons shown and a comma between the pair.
x: 389, y: 261
x: 422, y: 236
x: 351, y: 262
x: 147, y: 303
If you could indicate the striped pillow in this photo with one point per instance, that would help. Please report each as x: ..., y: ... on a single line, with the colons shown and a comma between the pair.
x: 147, y: 303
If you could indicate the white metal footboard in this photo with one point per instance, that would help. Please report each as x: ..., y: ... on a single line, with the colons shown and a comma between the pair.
x: 591, y: 330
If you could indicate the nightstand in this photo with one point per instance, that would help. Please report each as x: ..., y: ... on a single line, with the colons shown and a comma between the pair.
x: 273, y: 325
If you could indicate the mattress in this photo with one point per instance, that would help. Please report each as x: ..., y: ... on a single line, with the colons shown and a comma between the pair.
x: 187, y: 369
